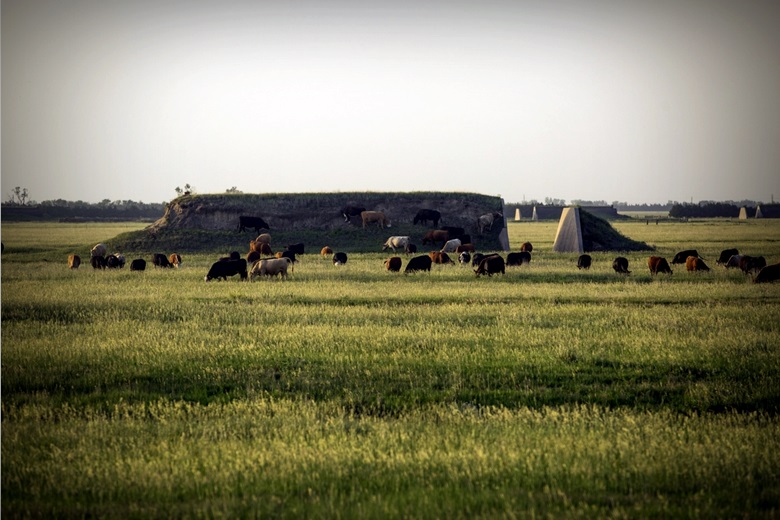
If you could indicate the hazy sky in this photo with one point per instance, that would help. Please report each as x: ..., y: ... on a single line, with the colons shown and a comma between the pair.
x: 616, y: 100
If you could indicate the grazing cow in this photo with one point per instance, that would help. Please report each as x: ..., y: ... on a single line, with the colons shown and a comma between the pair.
x: 464, y: 257
x: 490, y: 265
x: 523, y: 257
x: 286, y: 254
x: 424, y: 215
x: 264, y: 238
x: 734, y: 261
x: 99, y: 250
x: 74, y: 261
x: 725, y: 255
x: 339, y: 258
x: 476, y: 258
x: 467, y: 247
x: 369, y: 217
x: 98, y: 262
x: 769, y: 273
x: 457, y: 232
x: 485, y: 222
x: 295, y: 248
x: 270, y: 267
x: 121, y: 258
x: 139, y: 264
x: 694, y: 263
x: 265, y: 249
x: 527, y: 246
x: 252, y: 257
x: 418, y: 263
x: 620, y: 265
x: 435, y: 236
x: 682, y: 256
x: 113, y: 262
x: 256, y: 223
x: 224, y: 268
x: 410, y: 248
x: 438, y: 257
x: 175, y: 260
x: 396, y: 242
x: 450, y: 246
x: 234, y: 255
x: 326, y: 251
x: 393, y: 264
x: 749, y: 264
x: 351, y: 211
x: 658, y: 264
x: 160, y: 260
x: 584, y: 261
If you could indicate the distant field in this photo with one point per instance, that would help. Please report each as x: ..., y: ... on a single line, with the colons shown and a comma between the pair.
x: 354, y: 392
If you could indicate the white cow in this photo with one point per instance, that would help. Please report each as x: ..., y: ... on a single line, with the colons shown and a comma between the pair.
x: 270, y: 267
x: 99, y: 250
x: 450, y: 246
x: 397, y: 243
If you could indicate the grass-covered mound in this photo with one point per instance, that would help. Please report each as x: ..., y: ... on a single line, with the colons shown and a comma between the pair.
x: 194, y: 223
x: 599, y: 235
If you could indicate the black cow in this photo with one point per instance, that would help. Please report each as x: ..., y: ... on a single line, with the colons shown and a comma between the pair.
x: 139, y: 264
x: 523, y: 257
x: 295, y: 248
x: 113, y: 262
x: 287, y: 254
x: 98, y: 262
x: 339, y: 258
x: 418, y: 263
x: 476, y: 258
x: 749, y: 264
x: 410, y: 248
x: 620, y: 265
x: 457, y: 232
x: 725, y: 255
x: 351, y: 211
x: 682, y: 256
x: 160, y: 260
x: 256, y: 223
x: 424, y: 215
x: 490, y: 265
x: 584, y: 261
x: 224, y: 268
x: 769, y: 273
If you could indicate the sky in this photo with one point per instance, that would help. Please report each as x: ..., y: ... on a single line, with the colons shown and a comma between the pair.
x: 616, y: 100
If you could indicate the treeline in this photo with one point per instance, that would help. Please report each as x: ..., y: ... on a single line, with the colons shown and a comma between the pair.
x: 79, y: 210
x: 710, y: 209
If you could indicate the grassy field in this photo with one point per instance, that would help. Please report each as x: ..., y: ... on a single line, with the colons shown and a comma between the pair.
x: 352, y: 392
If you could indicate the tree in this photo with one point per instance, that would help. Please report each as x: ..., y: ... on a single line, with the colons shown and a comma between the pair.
x: 178, y: 191
x: 21, y: 195
x: 233, y: 190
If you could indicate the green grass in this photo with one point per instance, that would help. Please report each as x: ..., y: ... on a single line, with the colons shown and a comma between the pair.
x: 354, y: 392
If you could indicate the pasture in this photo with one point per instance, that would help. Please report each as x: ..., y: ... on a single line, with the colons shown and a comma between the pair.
x: 352, y: 392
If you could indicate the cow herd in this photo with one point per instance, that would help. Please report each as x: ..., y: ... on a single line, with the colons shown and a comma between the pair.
x: 261, y: 261
x: 755, y: 266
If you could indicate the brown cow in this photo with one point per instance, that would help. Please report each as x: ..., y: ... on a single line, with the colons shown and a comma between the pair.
x: 252, y: 257
x: 695, y: 263
x: 769, y: 273
x: 261, y: 247
x: 369, y: 217
x: 435, y: 236
x: 466, y: 248
x: 326, y: 251
x: 265, y: 238
x: 438, y: 257
x: 527, y: 246
x: 658, y: 264
x: 393, y: 264
x: 74, y: 261
x: 175, y: 259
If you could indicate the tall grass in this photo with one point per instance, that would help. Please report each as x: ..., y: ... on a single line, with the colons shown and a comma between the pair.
x: 354, y: 392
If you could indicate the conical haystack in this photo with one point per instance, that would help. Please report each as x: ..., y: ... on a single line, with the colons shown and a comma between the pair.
x: 568, y: 238
x: 743, y: 213
x: 580, y: 231
x: 517, y: 214
x: 758, y: 212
